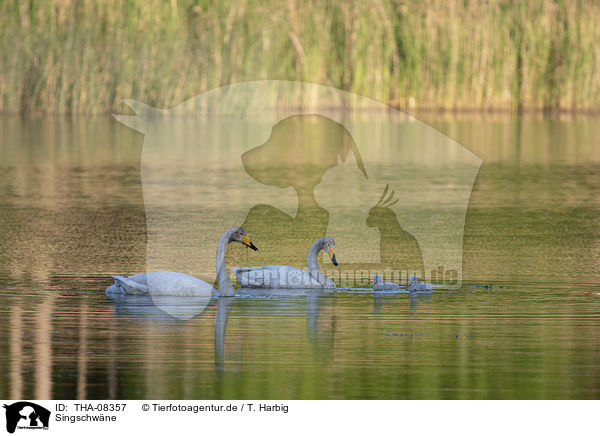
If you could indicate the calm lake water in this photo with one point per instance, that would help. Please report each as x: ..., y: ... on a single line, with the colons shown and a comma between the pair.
x: 72, y: 212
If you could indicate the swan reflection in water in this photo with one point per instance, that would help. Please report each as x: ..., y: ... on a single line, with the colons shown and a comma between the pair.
x: 320, y: 313
x: 318, y: 304
x: 395, y: 297
x: 163, y: 308
x: 320, y: 316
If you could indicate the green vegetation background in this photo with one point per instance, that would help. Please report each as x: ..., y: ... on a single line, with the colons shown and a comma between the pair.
x: 76, y: 56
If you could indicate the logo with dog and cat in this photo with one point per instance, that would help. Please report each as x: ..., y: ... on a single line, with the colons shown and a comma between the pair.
x: 25, y: 415
x: 292, y: 163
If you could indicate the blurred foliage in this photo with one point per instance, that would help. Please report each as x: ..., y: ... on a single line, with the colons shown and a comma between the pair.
x: 74, y: 56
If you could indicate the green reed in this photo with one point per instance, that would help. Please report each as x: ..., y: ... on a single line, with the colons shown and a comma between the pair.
x: 83, y: 56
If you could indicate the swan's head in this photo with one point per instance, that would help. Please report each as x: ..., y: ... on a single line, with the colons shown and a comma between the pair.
x: 237, y: 234
x: 378, y: 279
x: 329, y: 248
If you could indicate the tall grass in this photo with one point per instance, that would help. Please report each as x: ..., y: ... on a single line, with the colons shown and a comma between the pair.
x: 83, y: 56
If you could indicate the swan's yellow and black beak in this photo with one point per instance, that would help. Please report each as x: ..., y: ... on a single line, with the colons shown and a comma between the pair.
x: 332, y: 256
x: 248, y: 243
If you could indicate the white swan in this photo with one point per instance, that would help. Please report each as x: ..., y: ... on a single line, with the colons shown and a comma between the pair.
x: 179, y: 284
x: 415, y: 285
x: 380, y: 285
x: 282, y: 276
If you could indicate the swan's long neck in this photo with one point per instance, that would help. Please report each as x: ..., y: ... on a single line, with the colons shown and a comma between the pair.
x: 313, y: 264
x: 313, y: 254
x: 225, y: 286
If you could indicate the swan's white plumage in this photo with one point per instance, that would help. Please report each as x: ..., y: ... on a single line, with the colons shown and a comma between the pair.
x: 279, y: 276
x: 289, y: 277
x: 160, y: 283
x: 176, y: 284
x: 380, y: 285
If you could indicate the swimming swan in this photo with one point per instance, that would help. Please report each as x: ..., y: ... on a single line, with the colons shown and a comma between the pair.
x: 415, y: 285
x: 179, y: 284
x: 380, y: 285
x: 282, y: 276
